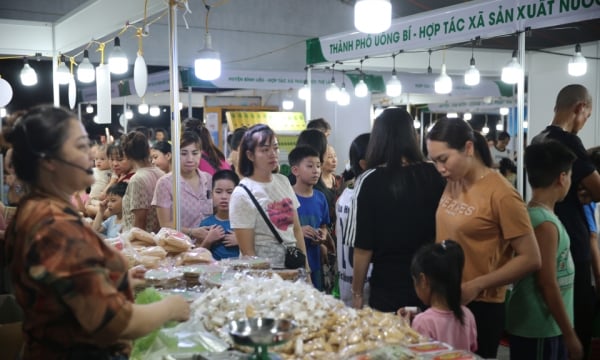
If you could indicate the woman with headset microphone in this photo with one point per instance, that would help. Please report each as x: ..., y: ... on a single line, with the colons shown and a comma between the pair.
x: 75, y: 291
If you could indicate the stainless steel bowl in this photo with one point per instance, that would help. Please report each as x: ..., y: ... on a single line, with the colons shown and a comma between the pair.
x: 261, y: 331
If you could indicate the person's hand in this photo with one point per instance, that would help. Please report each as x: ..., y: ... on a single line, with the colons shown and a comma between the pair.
x: 408, y: 313
x: 137, y: 272
x: 574, y: 347
x: 215, y: 233
x: 9, y: 179
x: 357, y: 301
x: 322, y: 236
x: 179, y: 308
x: 310, y: 233
x: 470, y: 291
x: 230, y: 240
x: 102, y: 206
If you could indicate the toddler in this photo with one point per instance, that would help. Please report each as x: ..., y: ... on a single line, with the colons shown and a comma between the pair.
x: 111, y: 227
x: 437, y: 272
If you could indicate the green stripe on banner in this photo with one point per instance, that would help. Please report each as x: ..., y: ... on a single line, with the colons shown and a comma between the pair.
x: 314, y: 54
x: 375, y: 83
x: 505, y: 89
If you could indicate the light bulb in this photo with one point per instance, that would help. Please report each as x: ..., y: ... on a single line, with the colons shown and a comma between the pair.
x: 117, y: 61
x: 467, y: 116
x: 343, y: 97
x: 485, y: 130
x: 332, y: 92
x: 63, y: 74
x: 208, y: 64
x: 472, y: 76
x: 372, y: 16
x: 2, y: 112
x: 512, y: 72
x: 525, y: 124
x: 28, y: 75
x: 304, y: 91
x: 287, y: 104
x: 128, y: 114
x: 154, y: 111
x: 95, y: 118
x: 89, y: 109
x: 143, y: 108
x: 86, y: 73
x: 504, y: 111
x: 416, y: 124
x: 361, y: 89
x: 577, y: 64
x: 393, y: 87
x: 443, y: 83
x: 452, y: 115
x: 499, y: 126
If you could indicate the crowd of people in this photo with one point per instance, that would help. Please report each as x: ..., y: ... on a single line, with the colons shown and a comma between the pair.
x: 435, y: 238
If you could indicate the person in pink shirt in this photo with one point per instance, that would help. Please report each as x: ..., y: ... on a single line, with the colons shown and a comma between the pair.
x: 437, y: 271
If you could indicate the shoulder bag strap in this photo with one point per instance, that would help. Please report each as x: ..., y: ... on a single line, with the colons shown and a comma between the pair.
x: 262, y: 213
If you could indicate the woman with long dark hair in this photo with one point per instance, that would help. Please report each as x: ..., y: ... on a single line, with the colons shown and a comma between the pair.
x: 481, y: 211
x: 393, y: 212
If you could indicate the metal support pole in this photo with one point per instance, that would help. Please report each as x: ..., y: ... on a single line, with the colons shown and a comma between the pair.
x: 175, y: 113
x: 308, y: 101
x: 520, y: 117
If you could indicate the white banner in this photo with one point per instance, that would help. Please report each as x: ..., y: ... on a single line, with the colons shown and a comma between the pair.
x: 264, y: 80
x: 455, y: 24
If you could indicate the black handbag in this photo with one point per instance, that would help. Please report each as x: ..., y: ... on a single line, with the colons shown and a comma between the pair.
x: 294, y: 257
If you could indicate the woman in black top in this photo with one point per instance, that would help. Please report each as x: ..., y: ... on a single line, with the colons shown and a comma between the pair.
x: 394, y: 207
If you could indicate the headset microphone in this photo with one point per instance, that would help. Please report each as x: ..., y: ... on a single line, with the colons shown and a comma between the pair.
x: 86, y: 170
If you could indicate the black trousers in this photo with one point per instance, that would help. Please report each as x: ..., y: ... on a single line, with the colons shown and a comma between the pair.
x: 489, y: 318
x: 584, y: 305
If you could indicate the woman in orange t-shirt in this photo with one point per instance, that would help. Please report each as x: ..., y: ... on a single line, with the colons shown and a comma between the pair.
x: 482, y: 212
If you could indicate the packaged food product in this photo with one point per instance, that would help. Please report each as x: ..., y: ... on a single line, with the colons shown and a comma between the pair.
x: 155, y: 251
x: 173, y: 241
x: 139, y: 235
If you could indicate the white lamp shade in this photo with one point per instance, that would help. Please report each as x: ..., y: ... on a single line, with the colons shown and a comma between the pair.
x: 393, y: 87
x: 343, y: 97
x: 28, y: 75
x: 287, y: 104
x: 372, y: 16
x: 443, y: 83
x: 2, y: 112
x: 85, y: 71
x: 577, y: 65
x: 332, y: 92
x: 472, y: 76
x: 6, y: 92
x: 467, y: 116
x: 103, y: 91
x: 208, y: 64
x: 304, y: 92
x: 499, y: 126
x: 72, y: 92
x: 416, y: 124
x: 504, y: 111
x: 525, y: 124
x: 361, y: 89
x: 143, y: 108
x: 89, y: 109
x: 512, y: 72
x: 63, y: 74
x: 140, y: 76
x: 128, y: 114
x: 485, y: 130
x: 154, y: 111
x: 452, y: 115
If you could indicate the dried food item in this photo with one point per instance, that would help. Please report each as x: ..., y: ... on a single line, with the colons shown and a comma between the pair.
x: 149, y: 262
x: 163, y: 278
x: 173, y: 241
x: 155, y: 251
x: 137, y: 235
x: 246, y: 263
x: 195, y: 256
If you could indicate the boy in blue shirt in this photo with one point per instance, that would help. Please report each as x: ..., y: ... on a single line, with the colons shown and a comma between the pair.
x: 313, y: 211
x: 220, y: 239
x: 113, y: 205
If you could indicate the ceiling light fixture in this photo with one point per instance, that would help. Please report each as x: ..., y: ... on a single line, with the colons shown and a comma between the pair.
x: 28, y: 74
x: 2, y: 112
x: 288, y: 102
x: 89, y: 109
x: 467, y: 116
x: 154, y: 111
x: 577, y: 64
x: 416, y: 124
x: 443, y: 83
x: 500, y: 126
x: 332, y: 92
x: 361, y: 89
x: 472, y: 76
x: 452, y: 115
x: 429, y: 69
x: 62, y: 72
x: 393, y: 87
x: 117, y: 61
x: 372, y: 16
x: 512, y: 72
x: 208, y: 64
x: 304, y: 91
x: 343, y: 96
x: 143, y: 108
x: 86, y: 73
x: 485, y: 130
x: 128, y: 114
x: 504, y: 111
